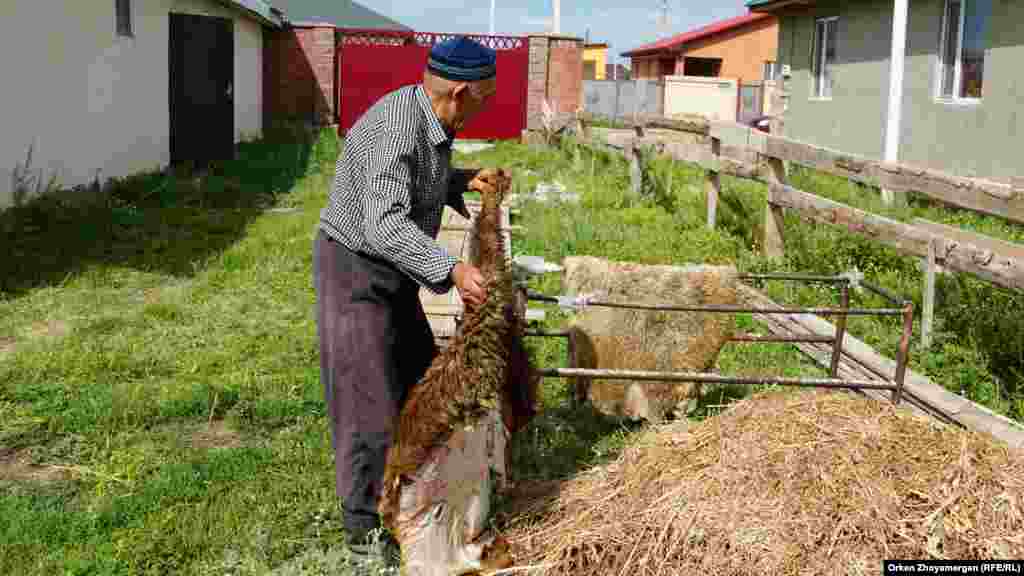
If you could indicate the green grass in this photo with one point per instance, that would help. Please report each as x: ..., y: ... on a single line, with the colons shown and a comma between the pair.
x: 160, y: 366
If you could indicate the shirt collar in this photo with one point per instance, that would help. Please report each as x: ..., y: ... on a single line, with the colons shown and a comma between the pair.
x: 435, y: 130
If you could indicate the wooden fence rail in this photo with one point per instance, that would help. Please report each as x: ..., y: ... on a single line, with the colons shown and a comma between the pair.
x: 762, y: 157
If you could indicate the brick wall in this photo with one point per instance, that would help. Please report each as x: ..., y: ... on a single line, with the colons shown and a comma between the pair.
x: 565, y: 74
x: 556, y: 74
x: 299, y: 71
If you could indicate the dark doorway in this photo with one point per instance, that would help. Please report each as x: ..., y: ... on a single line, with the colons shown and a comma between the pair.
x: 708, y: 67
x: 202, y: 71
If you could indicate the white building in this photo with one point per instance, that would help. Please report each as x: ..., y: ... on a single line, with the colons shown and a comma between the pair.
x: 109, y: 88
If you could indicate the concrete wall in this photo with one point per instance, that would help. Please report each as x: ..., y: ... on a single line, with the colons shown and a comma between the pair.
x: 623, y: 98
x: 964, y: 139
x: 853, y: 120
x: 95, y: 105
x: 743, y: 51
x: 300, y: 68
x: 715, y: 98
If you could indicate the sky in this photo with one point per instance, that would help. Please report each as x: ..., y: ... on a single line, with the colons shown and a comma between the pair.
x: 623, y: 24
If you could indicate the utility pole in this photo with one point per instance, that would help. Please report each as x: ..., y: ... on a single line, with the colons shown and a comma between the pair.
x: 492, y: 17
x: 556, y: 18
x: 663, y: 21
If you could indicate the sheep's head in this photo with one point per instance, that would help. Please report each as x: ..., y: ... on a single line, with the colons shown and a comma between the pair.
x: 492, y: 184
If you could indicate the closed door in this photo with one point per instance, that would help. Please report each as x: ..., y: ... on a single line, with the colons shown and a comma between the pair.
x: 202, y: 71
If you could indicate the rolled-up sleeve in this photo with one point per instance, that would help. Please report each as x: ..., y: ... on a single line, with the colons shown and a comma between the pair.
x: 387, y: 203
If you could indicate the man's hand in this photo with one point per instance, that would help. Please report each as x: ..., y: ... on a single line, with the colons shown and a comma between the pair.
x: 490, y: 180
x: 470, y: 283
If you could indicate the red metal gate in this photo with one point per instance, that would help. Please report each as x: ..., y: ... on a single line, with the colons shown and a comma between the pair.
x: 372, y: 63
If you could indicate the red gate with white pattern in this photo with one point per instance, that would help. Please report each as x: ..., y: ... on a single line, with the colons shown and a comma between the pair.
x: 372, y: 63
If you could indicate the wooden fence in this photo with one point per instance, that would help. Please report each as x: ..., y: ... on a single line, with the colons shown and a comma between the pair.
x: 763, y: 157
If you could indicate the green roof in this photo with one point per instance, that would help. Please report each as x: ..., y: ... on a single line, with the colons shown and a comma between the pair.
x: 341, y: 13
x: 769, y: 5
x: 258, y: 9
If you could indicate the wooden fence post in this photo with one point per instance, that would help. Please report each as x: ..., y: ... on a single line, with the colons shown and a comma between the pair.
x: 635, y: 171
x: 928, y: 312
x: 773, y: 215
x: 714, y: 183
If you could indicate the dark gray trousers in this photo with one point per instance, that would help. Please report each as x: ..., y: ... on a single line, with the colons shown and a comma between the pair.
x: 375, y: 344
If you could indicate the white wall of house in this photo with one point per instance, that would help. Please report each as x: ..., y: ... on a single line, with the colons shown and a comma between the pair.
x: 715, y: 98
x: 95, y: 104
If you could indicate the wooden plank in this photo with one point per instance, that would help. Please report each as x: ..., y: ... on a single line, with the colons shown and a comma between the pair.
x: 1008, y: 249
x: 994, y: 260
x: 994, y: 198
x: 903, y: 237
x: 689, y: 124
x: 774, y: 244
x: 995, y: 268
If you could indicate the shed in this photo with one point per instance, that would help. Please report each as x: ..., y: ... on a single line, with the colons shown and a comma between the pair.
x: 113, y: 88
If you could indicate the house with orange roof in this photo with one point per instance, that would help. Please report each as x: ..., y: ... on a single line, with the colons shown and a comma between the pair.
x: 743, y: 47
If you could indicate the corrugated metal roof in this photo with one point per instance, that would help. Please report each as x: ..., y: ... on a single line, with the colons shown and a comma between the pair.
x: 698, y: 34
x: 340, y: 13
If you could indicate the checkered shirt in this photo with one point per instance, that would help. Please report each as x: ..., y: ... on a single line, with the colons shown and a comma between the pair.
x: 391, y: 184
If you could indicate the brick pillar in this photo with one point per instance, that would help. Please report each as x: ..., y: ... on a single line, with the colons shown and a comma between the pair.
x: 556, y: 74
x: 565, y: 74
x: 299, y: 75
x: 537, y: 88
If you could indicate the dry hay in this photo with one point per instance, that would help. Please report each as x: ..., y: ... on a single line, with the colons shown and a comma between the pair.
x: 801, y: 483
x: 625, y: 339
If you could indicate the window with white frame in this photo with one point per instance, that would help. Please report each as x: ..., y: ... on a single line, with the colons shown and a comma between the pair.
x: 962, y: 55
x: 826, y: 32
x: 123, y: 10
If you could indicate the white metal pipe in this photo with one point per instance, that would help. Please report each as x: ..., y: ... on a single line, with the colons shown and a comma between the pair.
x: 896, y: 66
x: 556, y: 18
x: 894, y: 115
x: 492, y: 17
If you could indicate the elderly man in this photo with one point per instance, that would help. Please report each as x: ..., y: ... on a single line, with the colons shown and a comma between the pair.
x: 375, y: 246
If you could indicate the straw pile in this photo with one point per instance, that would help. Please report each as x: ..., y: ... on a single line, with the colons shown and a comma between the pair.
x: 629, y: 339
x: 784, y: 483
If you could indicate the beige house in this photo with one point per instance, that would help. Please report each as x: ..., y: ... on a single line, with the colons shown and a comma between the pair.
x: 102, y: 88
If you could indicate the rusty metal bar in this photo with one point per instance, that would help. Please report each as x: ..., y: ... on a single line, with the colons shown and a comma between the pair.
x: 903, y: 355
x: 735, y: 309
x: 893, y: 298
x: 543, y: 334
x: 837, y: 343
x: 796, y: 277
x: 791, y: 339
x: 711, y: 378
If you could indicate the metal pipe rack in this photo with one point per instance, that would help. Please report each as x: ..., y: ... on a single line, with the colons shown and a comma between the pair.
x: 894, y: 384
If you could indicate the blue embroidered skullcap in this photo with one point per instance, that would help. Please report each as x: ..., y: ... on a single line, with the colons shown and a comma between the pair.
x: 462, y: 59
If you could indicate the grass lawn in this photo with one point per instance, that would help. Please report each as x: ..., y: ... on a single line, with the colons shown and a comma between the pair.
x: 159, y: 380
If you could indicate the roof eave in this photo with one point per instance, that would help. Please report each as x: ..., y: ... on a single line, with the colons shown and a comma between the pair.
x: 770, y: 6
x: 259, y: 10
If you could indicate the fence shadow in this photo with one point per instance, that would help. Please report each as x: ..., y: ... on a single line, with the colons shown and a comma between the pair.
x: 167, y: 222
